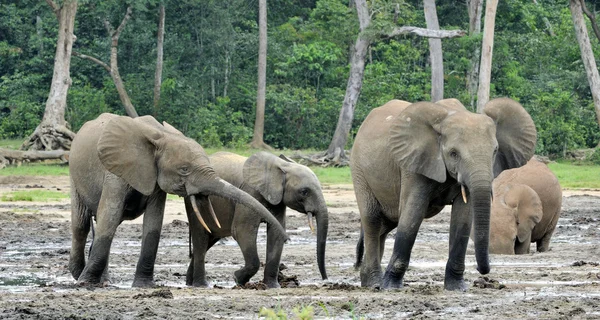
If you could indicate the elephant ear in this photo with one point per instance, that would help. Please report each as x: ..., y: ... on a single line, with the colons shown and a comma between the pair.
x: 285, y: 158
x: 126, y: 148
x: 414, y: 140
x: 171, y: 129
x: 528, y: 209
x: 515, y: 132
x: 263, y: 172
x: 452, y: 104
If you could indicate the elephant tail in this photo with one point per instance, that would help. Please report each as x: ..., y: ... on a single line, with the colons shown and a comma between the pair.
x: 360, y: 249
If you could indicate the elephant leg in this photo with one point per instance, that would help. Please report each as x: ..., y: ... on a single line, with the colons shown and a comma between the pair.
x: 543, y: 244
x: 382, y: 239
x: 371, y: 217
x: 81, y: 219
x: 152, y: 226
x: 274, y: 250
x: 245, y: 235
x: 414, y: 201
x: 460, y: 227
x: 201, y: 242
x: 109, y: 216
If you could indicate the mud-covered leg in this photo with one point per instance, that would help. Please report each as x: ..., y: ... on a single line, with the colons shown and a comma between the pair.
x: 153, y: 219
x: 245, y: 235
x: 109, y: 215
x: 196, y: 274
x: 274, y: 250
x: 460, y: 228
x: 414, y: 202
x: 80, y: 227
x: 370, y: 217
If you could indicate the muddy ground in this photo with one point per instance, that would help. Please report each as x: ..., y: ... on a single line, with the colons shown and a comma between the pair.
x: 563, y: 283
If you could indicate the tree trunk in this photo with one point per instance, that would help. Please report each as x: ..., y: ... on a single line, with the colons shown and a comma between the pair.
x: 8, y: 156
x: 160, y: 38
x: 52, y: 132
x: 487, y: 47
x: 475, y: 8
x: 592, y: 18
x: 259, y: 123
x: 335, y: 151
x: 435, y: 52
x: 587, y: 55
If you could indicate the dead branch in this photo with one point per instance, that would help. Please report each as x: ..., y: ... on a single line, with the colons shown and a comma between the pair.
x: 8, y: 156
x: 90, y: 58
x: 427, y: 33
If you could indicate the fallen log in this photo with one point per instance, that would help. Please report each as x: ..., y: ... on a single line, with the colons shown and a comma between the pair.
x: 9, y: 156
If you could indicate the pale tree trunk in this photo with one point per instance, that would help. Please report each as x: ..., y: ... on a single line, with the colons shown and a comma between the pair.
x: 160, y: 38
x: 52, y: 132
x: 587, y: 55
x: 475, y: 8
x: 113, y: 69
x: 259, y: 123
x: 487, y: 47
x: 435, y: 52
x: 335, y: 151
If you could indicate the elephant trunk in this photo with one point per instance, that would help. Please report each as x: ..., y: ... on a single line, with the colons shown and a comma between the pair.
x: 480, y: 197
x: 322, y: 227
x: 222, y: 188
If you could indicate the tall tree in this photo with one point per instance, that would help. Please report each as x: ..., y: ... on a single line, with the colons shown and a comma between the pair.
x: 487, y: 48
x: 587, y: 55
x: 475, y: 8
x: 160, y: 38
x: 592, y: 18
x: 52, y: 132
x: 435, y: 52
x: 259, y: 123
x: 113, y: 69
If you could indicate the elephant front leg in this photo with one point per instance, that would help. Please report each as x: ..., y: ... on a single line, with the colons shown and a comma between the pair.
x: 196, y: 273
x: 274, y: 250
x: 460, y: 227
x: 80, y: 227
x: 152, y: 225
x: 246, y: 238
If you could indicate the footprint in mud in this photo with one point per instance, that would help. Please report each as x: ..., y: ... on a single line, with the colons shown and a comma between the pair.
x: 488, y: 283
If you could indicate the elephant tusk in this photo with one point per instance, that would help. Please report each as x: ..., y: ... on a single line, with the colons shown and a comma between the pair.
x: 212, y: 213
x: 310, y: 222
x: 195, y: 206
x: 464, y: 194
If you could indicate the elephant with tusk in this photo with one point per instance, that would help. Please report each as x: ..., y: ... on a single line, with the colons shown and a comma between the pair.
x: 121, y: 168
x: 278, y: 183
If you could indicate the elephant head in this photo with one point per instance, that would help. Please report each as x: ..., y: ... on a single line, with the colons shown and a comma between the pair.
x: 516, y: 210
x: 442, y: 143
x: 283, y: 181
x: 148, y: 155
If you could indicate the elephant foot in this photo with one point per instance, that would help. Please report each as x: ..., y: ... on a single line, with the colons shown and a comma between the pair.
x: 199, y: 284
x: 455, y: 285
x: 272, y: 284
x: 390, y: 282
x: 143, y: 283
x: 86, y: 281
x: 76, y: 270
x: 370, y: 279
x: 242, y: 276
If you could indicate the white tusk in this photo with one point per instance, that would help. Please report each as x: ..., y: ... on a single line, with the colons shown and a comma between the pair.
x: 195, y: 206
x: 212, y: 213
x: 310, y: 222
x: 464, y: 194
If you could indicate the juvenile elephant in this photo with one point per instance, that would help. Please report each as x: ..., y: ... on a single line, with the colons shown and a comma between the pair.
x: 525, y: 209
x: 276, y: 183
x: 410, y: 160
x: 122, y: 167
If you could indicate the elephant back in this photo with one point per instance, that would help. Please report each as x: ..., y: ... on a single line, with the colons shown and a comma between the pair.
x: 228, y: 166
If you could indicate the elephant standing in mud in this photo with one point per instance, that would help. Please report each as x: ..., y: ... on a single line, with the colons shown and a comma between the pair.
x: 411, y: 160
x: 525, y: 209
x: 121, y: 168
x: 277, y: 183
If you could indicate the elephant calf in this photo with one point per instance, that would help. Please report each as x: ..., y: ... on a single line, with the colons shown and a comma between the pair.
x: 526, y: 206
x: 277, y: 183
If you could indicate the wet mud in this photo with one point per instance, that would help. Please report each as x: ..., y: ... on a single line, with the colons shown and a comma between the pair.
x: 563, y: 283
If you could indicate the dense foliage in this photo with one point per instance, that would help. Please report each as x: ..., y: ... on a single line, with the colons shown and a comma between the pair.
x: 209, y: 77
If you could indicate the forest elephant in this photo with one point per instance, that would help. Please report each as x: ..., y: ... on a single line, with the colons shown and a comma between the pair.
x: 525, y: 208
x: 121, y: 168
x: 277, y: 183
x: 411, y: 160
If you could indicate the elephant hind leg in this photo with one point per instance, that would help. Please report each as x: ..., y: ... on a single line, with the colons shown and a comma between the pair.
x: 81, y: 220
x: 201, y: 241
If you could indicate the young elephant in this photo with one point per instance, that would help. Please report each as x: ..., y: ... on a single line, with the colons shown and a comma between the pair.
x: 526, y: 206
x: 276, y: 183
x: 121, y: 168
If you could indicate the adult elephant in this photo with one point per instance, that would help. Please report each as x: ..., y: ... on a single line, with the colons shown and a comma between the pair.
x: 277, y: 183
x: 122, y: 167
x: 525, y: 209
x: 410, y: 160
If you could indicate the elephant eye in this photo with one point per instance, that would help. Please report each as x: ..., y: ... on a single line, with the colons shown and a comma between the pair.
x: 453, y: 154
x: 304, y: 192
x: 184, y: 171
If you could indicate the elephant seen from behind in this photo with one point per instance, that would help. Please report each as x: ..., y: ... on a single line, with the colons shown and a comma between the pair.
x: 525, y: 208
x: 409, y: 160
x: 277, y: 183
x: 121, y: 168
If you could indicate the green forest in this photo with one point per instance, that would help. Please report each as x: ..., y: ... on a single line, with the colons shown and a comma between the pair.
x: 210, y: 66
